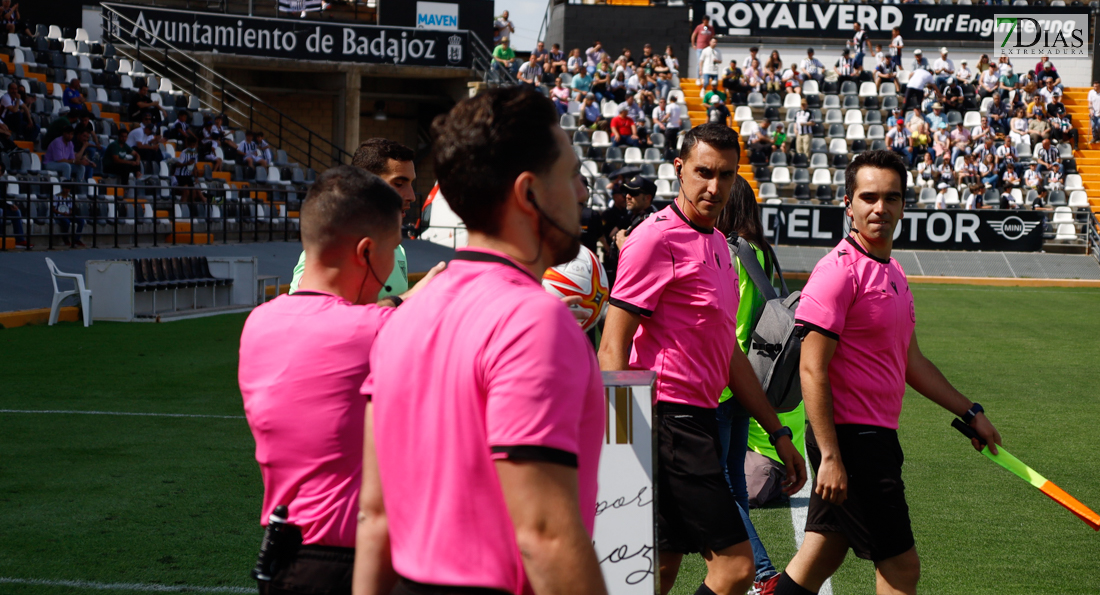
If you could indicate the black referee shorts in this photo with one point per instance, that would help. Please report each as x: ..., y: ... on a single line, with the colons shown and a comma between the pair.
x: 695, y: 510
x: 875, y: 517
x: 313, y: 570
x: 407, y: 587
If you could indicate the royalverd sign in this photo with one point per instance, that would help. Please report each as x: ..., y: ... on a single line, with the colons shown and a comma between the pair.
x: 287, y: 38
x: 1042, y: 34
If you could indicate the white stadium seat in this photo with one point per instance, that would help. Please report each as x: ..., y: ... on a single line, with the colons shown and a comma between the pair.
x: 792, y: 100
x: 868, y: 90
x: 821, y: 177
x: 1065, y: 231
x: 853, y: 116
x: 855, y: 132
x: 1062, y: 215
x: 781, y: 175
x: 743, y: 113
x: 972, y: 119
x: 1078, y: 199
x: 1073, y: 182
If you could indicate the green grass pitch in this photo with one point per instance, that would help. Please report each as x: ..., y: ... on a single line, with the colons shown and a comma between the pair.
x: 175, y: 501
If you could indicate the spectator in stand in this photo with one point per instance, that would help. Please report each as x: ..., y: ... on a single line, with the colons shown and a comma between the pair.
x: 941, y: 144
x: 1008, y: 83
x: 73, y: 97
x: 944, y: 68
x: 983, y: 65
x: 964, y: 75
x: 915, y: 88
x: 812, y: 67
x: 1048, y: 92
x: 61, y: 157
x: 987, y: 170
x: 804, y: 121
x: 1033, y: 180
x: 576, y: 63
x: 595, y: 54
x: 9, y: 211
x: 1003, y: 64
x: 208, y: 153
x: 754, y: 76
x: 503, y: 28
x: 17, y: 114
x: 953, y: 94
x: 668, y: 121
x: 897, y: 46
x: 989, y: 83
x: 792, y: 79
x: 946, y: 173
x: 976, y: 199
x: 249, y: 150
x: 701, y: 37
x: 263, y: 153
x: 710, y: 63
x: 542, y: 55
x: 1050, y: 73
x: 879, y: 55
x: 1061, y: 126
x: 220, y: 134
x: 120, y: 159
x: 9, y: 15
x: 732, y: 78
x: 556, y: 60
x: 671, y: 62
x: 582, y: 83
x: 1017, y: 127
x: 62, y: 208
x: 713, y: 92
x: 937, y: 119
x: 919, y: 133
x: 846, y: 68
x: 780, y: 141
x: 718, y: 112
x: 968, y: 172
x: 86, y: 151
x: 858, y: 43
x: 1007, y: 201
x: 531, y: 72
x: 639, y: 203
x: 982, y: 131
x: 623, y: 129
x: 560, y: 96
x: 591, y: 116
x: 504, y: 57
x: 885, y: 72
x: 1038, y: 129
x: 635, y: 111
x: 1006, y: 155
x: 997, y: 113
x: 145, y: 140
x: 774, y: 64
x: 617, y: 87
x: 941, y: 197
x: 760, y: 142
x: 919, y: 61
x: 1054, y: 181
x: 181, y: 128
x: 1046, y: 155
x: 926, y: 171
x: 1010, y: 179
x: 1040, y: 64
x: 1094, y: 112
x: 184, y: 175
x: 142, y: 103
x: 960, y: 141
x: 601, y: 80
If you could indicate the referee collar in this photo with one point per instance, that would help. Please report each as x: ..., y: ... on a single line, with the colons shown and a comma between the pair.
x: 856, y: 245
x: 471, y: 255
x: 680, y: 214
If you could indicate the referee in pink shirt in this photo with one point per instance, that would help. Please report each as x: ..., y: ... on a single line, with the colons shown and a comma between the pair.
x: 303, y: 358
x: 858, y: 353
x: 486, y: 396
x: 674, y: 311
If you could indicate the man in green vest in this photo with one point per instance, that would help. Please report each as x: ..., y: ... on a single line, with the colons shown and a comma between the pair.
x: 393, y: 162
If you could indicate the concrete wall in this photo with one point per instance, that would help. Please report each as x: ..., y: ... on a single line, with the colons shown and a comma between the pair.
x: 618, y: 27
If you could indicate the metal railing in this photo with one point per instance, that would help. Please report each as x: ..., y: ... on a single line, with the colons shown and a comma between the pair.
x: 356, y: 10
x: 483, y: 65
x: 218, y: 94
x: 1092, y: 236
x: 130, y: 215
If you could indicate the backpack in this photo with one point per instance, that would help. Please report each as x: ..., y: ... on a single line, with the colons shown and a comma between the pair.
x: 775, y: 347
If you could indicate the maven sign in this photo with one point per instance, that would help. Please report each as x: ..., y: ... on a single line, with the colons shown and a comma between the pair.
x: 285, y: 38
x: 917, y: 22
x: 920, y: 229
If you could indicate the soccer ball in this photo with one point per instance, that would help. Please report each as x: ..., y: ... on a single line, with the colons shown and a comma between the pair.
x: 583, y: 276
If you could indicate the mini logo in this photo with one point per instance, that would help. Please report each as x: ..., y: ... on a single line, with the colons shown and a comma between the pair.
x: 1013, y: 228
x: 454, y: 49
x: 1037, y: 35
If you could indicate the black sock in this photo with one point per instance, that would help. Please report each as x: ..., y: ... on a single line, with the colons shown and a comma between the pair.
x: 704, y: 590
x: 787, y: 586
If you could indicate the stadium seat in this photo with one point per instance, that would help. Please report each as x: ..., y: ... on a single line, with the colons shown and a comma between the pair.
x: 658, y: 140
x: 927, y: 196
x: 762, y: 174
x: 837, y: 146
x: 821, y: 176
x: 809, y: 87
x: 632, y: 156
x: 818, y: 145
x: 567, y: 123
x: 1065, y: 151
x: 840, y: 161
x: 80, y: 291
x: 876, y: 132
x: 609, y: 109
x: 1073, y: 182
x: 831, y: 102
x: 850, y: 102
x: 824, y: 193
x: 802, y: 192
x: 793, y: 101
x: 836, y: 131
x: 839, y: 194
x: 952, y: 198
x: 767, y: 190
x: 855, y: 131
x: 858, y: 146
x: 873, y: 116
x: 988, y: 101
x: 889, y: 103
x: 871, y: 103
x: 1065, y: 231
x: 666, y: 171
x: 1078, y: 199
x: 600, y: 140
x: 853, y: 116
x: 838, y: 177
x: 953, y: 117
x: 589, y: 169
x: 1057, y: 198
x: 748, y: 128
x: 755, y: 100
x: 848, y: 88
x: 833, y: 116
x: 781, y: 175
x: 972, y: 119
x: 742, y: 113
x: 800, y: 175
x: 887, y: 89
x: 772, y: 100
x: 868, y: 90
x: 580, y: 138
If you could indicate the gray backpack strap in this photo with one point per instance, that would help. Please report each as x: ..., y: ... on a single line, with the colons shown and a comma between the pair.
x: 747, y: 256
x: 779, y: 272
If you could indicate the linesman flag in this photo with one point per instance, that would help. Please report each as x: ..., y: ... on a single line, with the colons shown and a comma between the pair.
x: 300, y: 5
x: 1006, y: 460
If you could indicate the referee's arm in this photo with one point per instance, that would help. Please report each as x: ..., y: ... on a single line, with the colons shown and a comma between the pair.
x: 926, y: 379
x: 817, y: 352
x: 374, y: 574
x: 618, y: 334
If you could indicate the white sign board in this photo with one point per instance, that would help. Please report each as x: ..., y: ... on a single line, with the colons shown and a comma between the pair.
x: 626, y: 519
x: 437, y: 15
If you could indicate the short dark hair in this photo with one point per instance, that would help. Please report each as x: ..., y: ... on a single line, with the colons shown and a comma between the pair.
x: 715, y: 134
x: 374, y: 155
x: 347, y: 203
x: 67, y: 130
x: 487, y: 141
x: 881, y: 159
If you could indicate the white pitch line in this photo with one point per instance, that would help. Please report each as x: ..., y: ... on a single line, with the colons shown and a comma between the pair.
x: 800, y: 504
x: 152, y: 588
x: 139, y: 414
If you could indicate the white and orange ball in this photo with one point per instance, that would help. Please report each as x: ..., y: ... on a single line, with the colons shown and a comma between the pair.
x: 584, y: 277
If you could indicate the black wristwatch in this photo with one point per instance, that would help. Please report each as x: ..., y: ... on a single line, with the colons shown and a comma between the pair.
x: 781, y: 432
x: 397, y: 301
x: 971, y: 413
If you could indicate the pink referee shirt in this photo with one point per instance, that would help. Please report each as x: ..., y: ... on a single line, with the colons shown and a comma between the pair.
x: 679, y: 277
x: 482, y: 364
x: 865, y: 304
x: 303, y: 358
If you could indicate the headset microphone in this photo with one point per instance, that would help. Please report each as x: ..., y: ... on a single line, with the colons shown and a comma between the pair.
x: 366, y: 255
x: 555, y: 224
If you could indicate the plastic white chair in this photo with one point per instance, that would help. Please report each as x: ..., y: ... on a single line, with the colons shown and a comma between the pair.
x: 54, y: 33
x: 1066, y: 231
x: 853, y: 116
x: 600, y: 139
x: 792, y: 100
x: 666, y: 171
x: 837, y: 146
x: 868, y: 90
x: 60, y: 296
x: 743, y: 113
x: 821, y: 177
x: 749, y: 128
x: 1078, y: 199
x: 972, y: 119
x: 988, y: 101
x: 633, y: 155
x: 781, y: 175
x: 809, y: 87
x: 952, y: 198
x: 81, y: 35
x: 1073, y: 182
x: 855, y: 132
